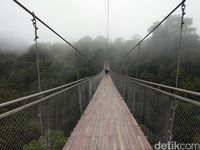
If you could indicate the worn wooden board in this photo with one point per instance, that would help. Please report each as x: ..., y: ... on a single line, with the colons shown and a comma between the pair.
x: 107, y: 124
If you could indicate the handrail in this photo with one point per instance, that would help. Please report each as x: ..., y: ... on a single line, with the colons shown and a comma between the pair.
x: 196, y: 103
x: 39, y: 100
x: 185, y: 99
x: 165, y: 86
x: 41, y: 93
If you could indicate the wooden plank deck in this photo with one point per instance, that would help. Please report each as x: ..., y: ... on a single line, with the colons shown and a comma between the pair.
x: 107, y: 124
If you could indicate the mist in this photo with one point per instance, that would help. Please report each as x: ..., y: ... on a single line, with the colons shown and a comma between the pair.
x: 58, y: 59
x: 13, y: 44
x: 76, y: 19
x: 106, y: 42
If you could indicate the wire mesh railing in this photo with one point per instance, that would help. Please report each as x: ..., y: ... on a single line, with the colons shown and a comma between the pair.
x: 164, y: 113
x: 45, y: 120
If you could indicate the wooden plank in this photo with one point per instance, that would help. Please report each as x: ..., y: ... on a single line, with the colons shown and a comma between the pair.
x: 107, y: 124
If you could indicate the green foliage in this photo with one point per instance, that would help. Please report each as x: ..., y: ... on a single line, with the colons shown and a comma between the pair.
x: 18, y: 77
x: 56, y: 142
x: 158, y: 63
x: 33, y: 145
x: 58, y: 65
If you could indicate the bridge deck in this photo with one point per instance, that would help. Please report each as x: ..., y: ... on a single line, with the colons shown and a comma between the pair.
x: 107, y: 124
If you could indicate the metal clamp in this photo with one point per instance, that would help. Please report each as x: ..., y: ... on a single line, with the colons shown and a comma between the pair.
x: 35, y: 26
x: 183, y: 11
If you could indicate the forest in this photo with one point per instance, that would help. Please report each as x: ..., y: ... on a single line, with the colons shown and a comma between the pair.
x: 58, y: 62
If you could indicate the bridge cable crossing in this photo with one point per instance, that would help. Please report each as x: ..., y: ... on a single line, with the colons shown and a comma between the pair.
x: 52, y: 30
x: 179, y: 5
x: 138, y: 45
x: 182, y: 5
x: 107, y: 25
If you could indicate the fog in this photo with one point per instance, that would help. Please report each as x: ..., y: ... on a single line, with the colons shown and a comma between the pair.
x: 162, y: 58
x: 75, y: 19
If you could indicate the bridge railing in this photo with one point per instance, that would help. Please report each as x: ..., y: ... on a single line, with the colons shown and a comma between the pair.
x: 164, y: 113
x: 44, y: 120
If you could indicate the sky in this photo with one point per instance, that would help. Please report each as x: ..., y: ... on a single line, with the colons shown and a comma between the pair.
x: 74, y: 19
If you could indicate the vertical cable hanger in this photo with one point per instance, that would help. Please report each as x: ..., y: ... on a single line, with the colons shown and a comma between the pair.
x: 88, y: 68
x: 37, y: 52
x: 127, y: 66
x: 148, y: 34
x: 107, y: 31
x: 138, y: 61
x: 34, y: 21
x: 52, y: 30
x: 105, y: 53
x: 180, y: 42
x: 76, y: 62
x: 121, y: 65
x: 174, y: 105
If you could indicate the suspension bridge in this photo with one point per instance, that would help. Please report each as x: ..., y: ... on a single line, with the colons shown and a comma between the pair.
x: 106, y: 111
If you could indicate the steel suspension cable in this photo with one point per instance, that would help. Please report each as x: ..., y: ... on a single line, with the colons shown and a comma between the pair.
x: 180, y: 4
x: 51, y: 29
x: 37, y: 51
x: 139, y: 43
x: 180, y: 43
x: 138, y: 61
x: 127, y: 62
x: 77, y: 66
x: 107, y: 17
x: 40, y: 114
x: 174, y: 106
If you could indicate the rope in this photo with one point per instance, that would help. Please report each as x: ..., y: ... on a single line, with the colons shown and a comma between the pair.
x: 88, y: 68
x: 180, y: 42
x: 127, y: 62
x: 138, y: 44
x: 76, y: 63
x: 37, y: 52
x: 183, y: 1
x: 138, y: 61
x: 107, y: 16
x: 121, y: 65
x: 40, y: 114
x: 56, y: 33
x: 175, y: 104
